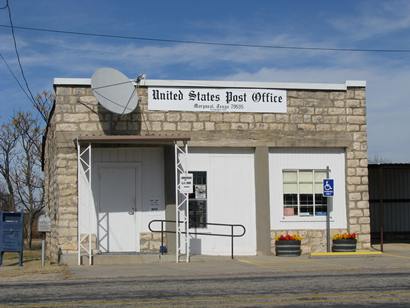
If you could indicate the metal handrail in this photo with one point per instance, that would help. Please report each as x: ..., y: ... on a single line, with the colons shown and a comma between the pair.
x: 232, y: 235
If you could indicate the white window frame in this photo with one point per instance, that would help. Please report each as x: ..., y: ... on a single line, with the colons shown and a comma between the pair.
x: 298, y: 216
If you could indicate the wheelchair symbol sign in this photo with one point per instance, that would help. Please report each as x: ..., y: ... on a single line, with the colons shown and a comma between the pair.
x: 328, y: 187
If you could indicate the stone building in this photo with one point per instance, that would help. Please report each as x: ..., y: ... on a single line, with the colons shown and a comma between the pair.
x: 261, y: 168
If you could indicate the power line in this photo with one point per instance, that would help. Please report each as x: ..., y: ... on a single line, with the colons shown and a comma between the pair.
x: 226, y: 44
x: 15, y: 77
x: 17, y: 53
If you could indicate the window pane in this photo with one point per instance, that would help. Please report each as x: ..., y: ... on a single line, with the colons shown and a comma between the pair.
x: 290, y: 211
x: 319, y: 176
x: 306, y: 199
x: 321, y: 210
x: 306, y: 176
x: 306, y: 188
x: 319, y: 199
x: 197, y: 214
x: 290, y: 199
x: 319, y: 188
x: 306, y: 210
x: 290, y: 176
x: 290, y: 188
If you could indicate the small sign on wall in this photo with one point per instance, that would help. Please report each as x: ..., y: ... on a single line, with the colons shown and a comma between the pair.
x: 186, y: 183
x: 44, y: 224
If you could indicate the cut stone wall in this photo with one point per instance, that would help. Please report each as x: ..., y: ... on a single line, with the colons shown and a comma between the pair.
x: 151, y: 242
x: 314, y: 119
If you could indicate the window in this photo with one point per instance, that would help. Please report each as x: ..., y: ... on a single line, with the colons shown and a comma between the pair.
x: 198, y: 201
x: 302, y: 193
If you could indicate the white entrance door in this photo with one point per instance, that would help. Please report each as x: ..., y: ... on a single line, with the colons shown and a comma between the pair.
x: 118, y: 202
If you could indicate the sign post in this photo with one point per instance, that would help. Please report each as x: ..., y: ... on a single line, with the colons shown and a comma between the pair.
x: 43, y: 226
x: 328, y: 192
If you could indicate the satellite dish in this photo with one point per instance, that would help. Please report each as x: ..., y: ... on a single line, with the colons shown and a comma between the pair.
x: 115, y: 91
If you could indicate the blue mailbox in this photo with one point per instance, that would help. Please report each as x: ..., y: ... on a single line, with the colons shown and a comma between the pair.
x: 11, y: 234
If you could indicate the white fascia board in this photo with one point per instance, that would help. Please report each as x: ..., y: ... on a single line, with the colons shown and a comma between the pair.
x: 72, y: 81
x: 226, y: 84
x: 356, y: 83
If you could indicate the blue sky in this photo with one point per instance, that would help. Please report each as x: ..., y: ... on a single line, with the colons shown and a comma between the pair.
x: 344, y: 24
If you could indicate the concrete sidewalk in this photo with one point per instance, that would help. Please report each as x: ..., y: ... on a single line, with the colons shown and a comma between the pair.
x: 395, y: 259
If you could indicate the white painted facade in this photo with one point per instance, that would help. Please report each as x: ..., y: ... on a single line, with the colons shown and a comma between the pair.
x: 127, y: 191
x: 230, y: 199
x: 304, y: 159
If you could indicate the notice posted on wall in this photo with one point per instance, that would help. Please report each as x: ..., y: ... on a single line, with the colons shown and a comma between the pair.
x: 217, y: 100
x: 200, y: 191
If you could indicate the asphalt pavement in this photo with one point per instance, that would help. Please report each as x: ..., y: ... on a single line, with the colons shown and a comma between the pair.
x: 361, y: 281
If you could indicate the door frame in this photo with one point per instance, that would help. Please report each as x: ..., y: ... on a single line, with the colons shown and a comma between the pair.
x: 138, y: 197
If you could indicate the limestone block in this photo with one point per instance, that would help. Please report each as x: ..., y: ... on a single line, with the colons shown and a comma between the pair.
x: 261, y: 126
x: 239, y: 125
x: 360, y: 94
x: 197, y: 126
x: 246, y: 118
x: 317, y: 119
x: 282, y: 118
x: 231, y: 117
x: 337, y: 95
x: 364, y: 220
x: 323, y: 127
x: 169, y: 126
x: 173, y: 116
x: 361, y: 171
x: 307, y: 118
x: 216, y: 117
x: 88, y: 126
x: 307, y: 127
x: 296, y: 118
x: 330, y: 119
x: 66, y: 127
x: 336, y: 111
x: 268, y: 118
x: 356, y: 119
x: 353, y: 103
x: 222, y: 126
x: 276, y: 126
x: 354, y: 229
x: 362, y: 204
x: 156, y: 116
x: 209, y: 126
x: 202, y: 116
x: 188, y: 117
x: 75, y: 117
x: 184, y: 126
x: 355, y: 213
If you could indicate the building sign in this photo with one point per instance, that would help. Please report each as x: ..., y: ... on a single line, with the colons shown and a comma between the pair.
x: 44, y: 223
x: 328, y: 187
x: 186, y: 183
x: 217, y: 100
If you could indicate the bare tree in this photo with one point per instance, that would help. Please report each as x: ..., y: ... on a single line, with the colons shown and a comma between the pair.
x: 28, y: 178
x: 8, y: 142
x: 43, y: 104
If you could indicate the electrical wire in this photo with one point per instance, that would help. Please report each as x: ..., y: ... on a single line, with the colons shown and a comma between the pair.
x: 17, y: 53
x: 15, y: 77
x: 225, y: 44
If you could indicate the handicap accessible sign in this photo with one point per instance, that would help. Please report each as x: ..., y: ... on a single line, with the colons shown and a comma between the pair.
x: 328, y: 188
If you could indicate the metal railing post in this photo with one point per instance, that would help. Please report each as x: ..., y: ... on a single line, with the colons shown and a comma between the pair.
x: 231, y: 242
x: 162, y: 238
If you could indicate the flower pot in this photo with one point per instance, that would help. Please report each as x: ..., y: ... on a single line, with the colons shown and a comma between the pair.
x: 287, y: 248
x: 344, y: 245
